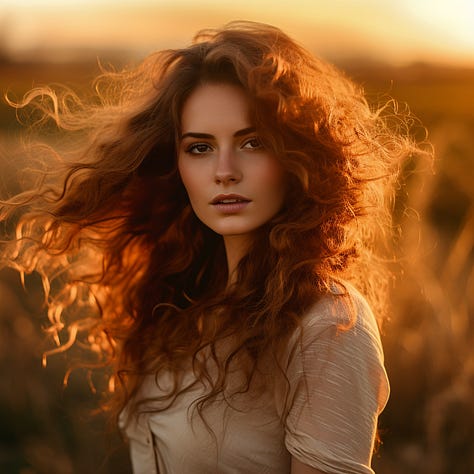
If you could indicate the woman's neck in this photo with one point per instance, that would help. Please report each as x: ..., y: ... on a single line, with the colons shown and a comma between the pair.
x: 236, y: 246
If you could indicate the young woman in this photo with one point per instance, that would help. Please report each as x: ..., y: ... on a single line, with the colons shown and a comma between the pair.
x: 212, y: 239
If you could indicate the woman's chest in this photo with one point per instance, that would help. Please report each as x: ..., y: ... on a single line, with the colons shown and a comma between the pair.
x: 238, y: 433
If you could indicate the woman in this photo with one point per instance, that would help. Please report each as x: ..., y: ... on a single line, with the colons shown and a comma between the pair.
x: 212, y: 239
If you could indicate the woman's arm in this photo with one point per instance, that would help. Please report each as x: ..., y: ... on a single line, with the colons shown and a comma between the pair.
x: 298, y: 467
x: 339, y: 387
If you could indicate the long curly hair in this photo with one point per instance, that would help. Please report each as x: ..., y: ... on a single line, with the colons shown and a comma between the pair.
x: 127, y: 267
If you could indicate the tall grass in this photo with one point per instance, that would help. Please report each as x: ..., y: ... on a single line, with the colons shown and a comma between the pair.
x: 429, y: 422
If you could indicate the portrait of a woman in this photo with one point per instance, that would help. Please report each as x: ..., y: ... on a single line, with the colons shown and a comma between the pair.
x: 212, y: 235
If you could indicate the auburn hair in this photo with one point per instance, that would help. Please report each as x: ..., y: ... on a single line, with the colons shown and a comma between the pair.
x: 128, y: 268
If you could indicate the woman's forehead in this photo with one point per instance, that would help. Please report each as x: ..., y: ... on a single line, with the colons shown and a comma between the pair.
x: 216, y: 107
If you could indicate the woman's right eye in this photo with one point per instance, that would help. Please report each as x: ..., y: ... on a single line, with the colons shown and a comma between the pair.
x: 198, y: 148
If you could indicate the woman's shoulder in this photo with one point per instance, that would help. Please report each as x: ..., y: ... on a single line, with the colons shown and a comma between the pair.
x: 342, y: 306
x: 342, y: 314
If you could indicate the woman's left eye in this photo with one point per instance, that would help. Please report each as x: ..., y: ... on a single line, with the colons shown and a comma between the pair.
x: 253, y: 144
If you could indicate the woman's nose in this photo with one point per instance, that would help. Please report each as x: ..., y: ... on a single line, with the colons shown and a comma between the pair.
x: 227, y: 167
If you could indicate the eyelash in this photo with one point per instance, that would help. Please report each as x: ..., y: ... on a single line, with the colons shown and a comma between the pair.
x: 254, y: 139
x: 193, y: 148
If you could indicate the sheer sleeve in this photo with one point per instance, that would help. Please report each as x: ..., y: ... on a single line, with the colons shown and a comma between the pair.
x: 338, y: 387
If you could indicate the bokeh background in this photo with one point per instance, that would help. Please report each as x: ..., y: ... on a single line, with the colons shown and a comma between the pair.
x: 419, y: 52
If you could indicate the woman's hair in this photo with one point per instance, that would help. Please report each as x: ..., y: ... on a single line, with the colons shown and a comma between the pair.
x: 127, y: 267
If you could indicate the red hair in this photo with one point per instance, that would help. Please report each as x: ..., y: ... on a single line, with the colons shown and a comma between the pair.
x: 128, y: 263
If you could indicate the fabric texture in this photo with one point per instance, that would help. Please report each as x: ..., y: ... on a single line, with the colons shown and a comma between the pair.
x: 324, y: 412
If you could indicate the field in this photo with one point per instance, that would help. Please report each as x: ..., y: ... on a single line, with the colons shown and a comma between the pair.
x: 428, y: 425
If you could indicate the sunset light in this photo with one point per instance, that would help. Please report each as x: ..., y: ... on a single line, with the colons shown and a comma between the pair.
x: 223, y: 210
x: 395, y: 32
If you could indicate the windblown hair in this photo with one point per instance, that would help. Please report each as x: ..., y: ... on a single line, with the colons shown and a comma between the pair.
x: 129, y: 269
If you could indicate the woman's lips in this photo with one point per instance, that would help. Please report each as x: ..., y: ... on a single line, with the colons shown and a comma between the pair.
x: 231, y: 208
x: 230, y: 204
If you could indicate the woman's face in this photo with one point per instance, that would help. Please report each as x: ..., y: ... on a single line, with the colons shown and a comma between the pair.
x: 234, y: 184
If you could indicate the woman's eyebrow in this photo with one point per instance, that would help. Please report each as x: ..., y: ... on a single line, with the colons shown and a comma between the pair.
x: 196, y: 135
x: 245, y: 131
x: 238, y: 133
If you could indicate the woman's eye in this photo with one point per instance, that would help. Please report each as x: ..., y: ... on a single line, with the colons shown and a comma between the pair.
x: 198, y: 148
x: 253, y: 144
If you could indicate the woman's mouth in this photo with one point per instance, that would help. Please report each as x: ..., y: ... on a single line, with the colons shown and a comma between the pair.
x: 230, y: 204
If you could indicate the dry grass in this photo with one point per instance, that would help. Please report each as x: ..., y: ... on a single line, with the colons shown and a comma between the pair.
x: 430, y: 420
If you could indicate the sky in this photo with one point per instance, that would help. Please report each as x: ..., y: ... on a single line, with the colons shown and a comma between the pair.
x: 395, y: 31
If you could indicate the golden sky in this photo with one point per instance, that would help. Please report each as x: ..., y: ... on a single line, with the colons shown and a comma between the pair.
x: 397, y: 31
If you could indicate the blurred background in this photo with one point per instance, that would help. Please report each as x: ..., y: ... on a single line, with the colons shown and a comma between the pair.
x: 419, y: 52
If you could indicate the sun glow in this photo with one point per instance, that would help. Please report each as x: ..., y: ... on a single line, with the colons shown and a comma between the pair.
x: 453, y: 19
x: 400, y: 31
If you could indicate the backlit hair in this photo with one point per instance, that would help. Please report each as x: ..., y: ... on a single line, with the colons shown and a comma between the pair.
x: 128, y: 268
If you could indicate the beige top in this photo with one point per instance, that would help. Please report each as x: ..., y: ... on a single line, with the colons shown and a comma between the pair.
x: 326, y: 416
